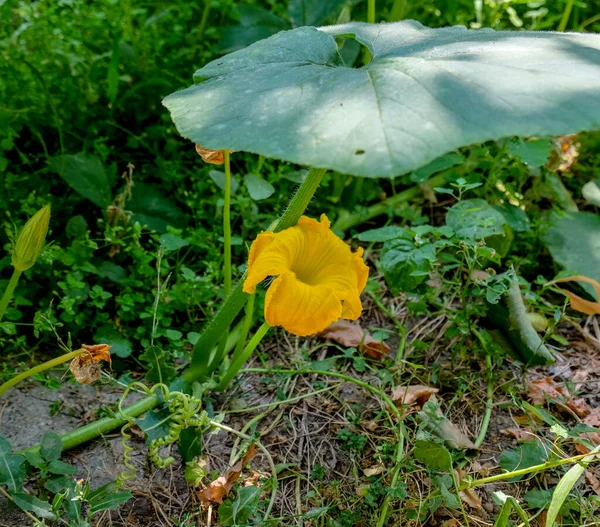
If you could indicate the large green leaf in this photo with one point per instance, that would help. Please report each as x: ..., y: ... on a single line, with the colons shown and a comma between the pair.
x: 86, y: 175
x: 424, y: 93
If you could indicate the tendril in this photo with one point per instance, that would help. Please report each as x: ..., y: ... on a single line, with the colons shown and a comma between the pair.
x: 184, y: 411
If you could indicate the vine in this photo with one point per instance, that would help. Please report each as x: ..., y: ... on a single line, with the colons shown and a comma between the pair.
x: 185, y: 411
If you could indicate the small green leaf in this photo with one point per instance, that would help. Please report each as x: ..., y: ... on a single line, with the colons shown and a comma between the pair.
x: 475, y: 219
x: 51, y: 446
x: 219, y: 178
x: 258, y: 188
x: 12, y: 473
x: 155, y: 424
x: 109, y: 270
x: 239, y: 511
x: 61, y: 468
x: 109, y: 502
x: 441, y: 163
x: 316, y: 512
x: 34, y: 459
x: 400, y: 258
x: 538, y: 499
x: 433, y: 455
x: 591, y: 192
x: 382, y: 234
x: 33, y: 504
x: 160, y: 367
x: 528, y: 454
x: 172, y: 242
x: 173, y: 334
x: 190, y: 443
x: 108, y: 334
x: 151, y: 206
x: 515, y: 217
x: 76, y: 227
x: 534, y: 153
x: 59, y: 484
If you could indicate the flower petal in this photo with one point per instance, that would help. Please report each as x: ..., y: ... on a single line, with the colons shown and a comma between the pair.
x: 262, y: 262
x: 300, y: 308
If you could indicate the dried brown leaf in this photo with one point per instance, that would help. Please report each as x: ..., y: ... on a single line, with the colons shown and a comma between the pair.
x: 417, y: 393
x: 593, y: 420
x: 470, y: 497
x: 579, y: 406
x: 520, y: 434
x: 218, y: 490
x: 593, y: 481
x: 546, y: 388
x: 586, y: 307
x: 445, y: 429
x: 351, y: 335
x: 375, y: 470
x: 214, y: 157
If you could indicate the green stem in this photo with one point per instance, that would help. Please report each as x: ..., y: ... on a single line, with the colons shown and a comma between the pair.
x: 245, y: 328
x: 347, y: 220
x: 235, y: 301
x: 524, y: 471
x: 204, y: 19
x: 488, y: 404
x: 236, y: 365
x: 371, y: 12
x: 227, y: 225
x: 566, y: 14
x: 10, y: 289
x: 226, y: 251
x: 39, y: 368
x: 102, y: 426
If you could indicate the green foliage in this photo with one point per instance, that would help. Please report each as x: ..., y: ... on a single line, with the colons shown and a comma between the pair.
x: 528, y: 454
x: 55, y: 477
x: 434, y: 456
x: 239, y: 510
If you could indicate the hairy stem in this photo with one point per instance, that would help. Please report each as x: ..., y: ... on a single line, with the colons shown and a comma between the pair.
x: 102, y: 426
x: 235, y: 301
x: 39, y: 368
x: 237, y: 364
x: 8, y: 293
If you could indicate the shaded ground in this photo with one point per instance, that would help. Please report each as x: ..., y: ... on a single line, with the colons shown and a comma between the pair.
x: 332, y: 449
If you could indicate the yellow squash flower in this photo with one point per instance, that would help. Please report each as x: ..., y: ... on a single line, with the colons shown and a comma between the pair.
x: 319, y: 279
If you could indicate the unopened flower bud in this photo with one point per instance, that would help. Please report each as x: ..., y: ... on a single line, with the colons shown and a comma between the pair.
x: 31, y: 239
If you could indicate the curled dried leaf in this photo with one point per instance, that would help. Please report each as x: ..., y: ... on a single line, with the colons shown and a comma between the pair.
x: 351, y: 335
x: 416, y: 394
x: 214, y: 157
x: 218, y: 490
x: 586, y: 307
